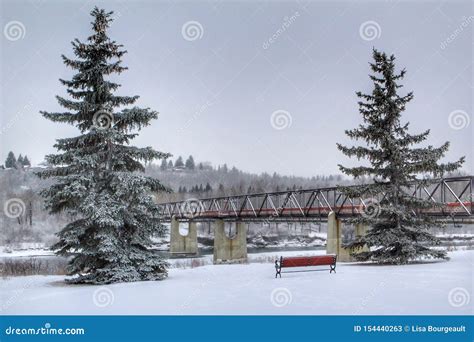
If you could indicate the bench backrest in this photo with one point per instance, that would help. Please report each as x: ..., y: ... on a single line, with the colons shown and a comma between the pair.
x: 308, y: 261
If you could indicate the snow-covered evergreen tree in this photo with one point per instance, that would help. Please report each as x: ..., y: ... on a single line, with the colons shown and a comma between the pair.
x: 396, y: 234
x: 179, y: 162
x: 164, y: 165
x: 99, y: 176
x: 20, y: 161
x: 26, y: 161
x: 190, y: 163
x: 10, y: 162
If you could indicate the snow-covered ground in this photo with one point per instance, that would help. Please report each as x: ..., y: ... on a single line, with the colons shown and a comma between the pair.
x: 428, y: 288
x: 6, y: 253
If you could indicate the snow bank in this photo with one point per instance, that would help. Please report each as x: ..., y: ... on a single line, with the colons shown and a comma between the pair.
x: 8, y: 253
x: 429, y: 288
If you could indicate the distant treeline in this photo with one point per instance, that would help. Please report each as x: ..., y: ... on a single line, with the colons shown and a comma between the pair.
x: 16, y: 163
x: 190, y: 179
x: 203, y: 180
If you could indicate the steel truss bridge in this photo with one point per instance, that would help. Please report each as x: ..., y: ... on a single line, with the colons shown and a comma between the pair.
x: 452, y: 200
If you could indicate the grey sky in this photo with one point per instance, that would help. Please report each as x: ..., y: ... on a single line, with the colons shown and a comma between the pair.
x: 216, y: 94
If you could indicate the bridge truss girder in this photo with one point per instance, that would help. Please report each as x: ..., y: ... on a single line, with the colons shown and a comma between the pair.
x: 452, y: 199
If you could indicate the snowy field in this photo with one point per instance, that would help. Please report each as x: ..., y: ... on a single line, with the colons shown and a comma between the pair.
x: 428, y: 288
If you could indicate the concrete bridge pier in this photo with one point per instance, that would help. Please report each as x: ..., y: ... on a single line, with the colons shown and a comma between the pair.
x: 333, y: 242
x: 361, y: 230
x: 183, y: 244
x: 230, y: 250
x: 334, y: 238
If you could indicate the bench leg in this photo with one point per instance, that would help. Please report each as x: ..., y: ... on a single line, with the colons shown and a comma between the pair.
x: 278, y: 268
x: 333, y: 268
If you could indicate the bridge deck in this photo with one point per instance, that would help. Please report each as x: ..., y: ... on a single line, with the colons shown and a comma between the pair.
x: 452, y: 198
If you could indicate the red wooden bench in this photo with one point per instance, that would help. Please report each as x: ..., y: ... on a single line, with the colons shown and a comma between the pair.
x: 304, y: 261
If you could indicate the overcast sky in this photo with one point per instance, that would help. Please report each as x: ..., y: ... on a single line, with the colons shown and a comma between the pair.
x: 265, y: 86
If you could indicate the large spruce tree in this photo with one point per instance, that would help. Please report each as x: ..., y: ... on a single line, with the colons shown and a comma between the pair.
x: 99, y: 176
x: 398, y: 230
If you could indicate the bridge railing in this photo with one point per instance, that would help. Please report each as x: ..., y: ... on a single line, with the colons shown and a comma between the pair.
x: 450, y: 196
